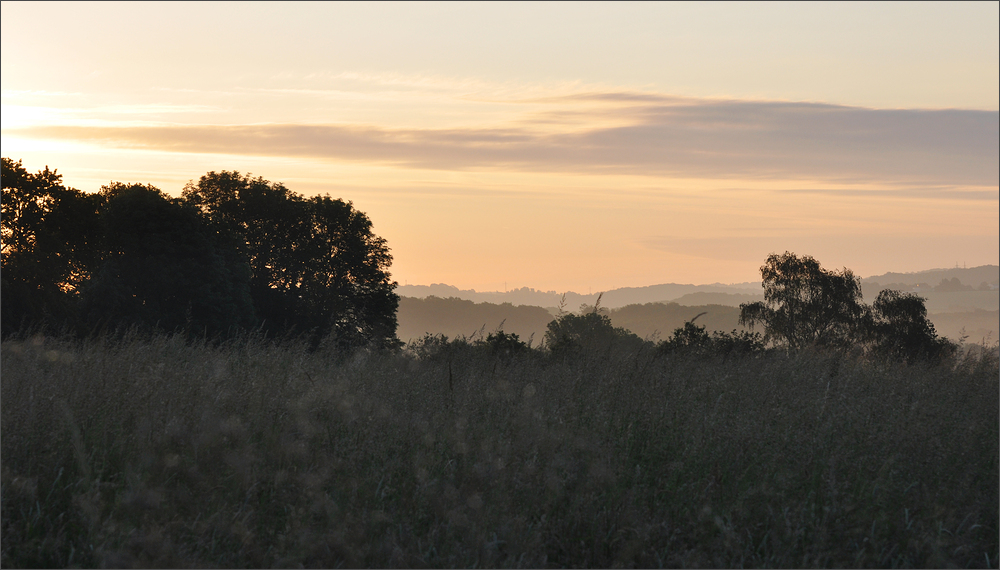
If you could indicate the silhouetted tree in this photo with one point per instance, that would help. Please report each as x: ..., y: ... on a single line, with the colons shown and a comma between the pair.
x: 316, y: 266
x: 806, y: 305
x: 163, y: 267
x: 899, y: 329
x: 48, y: 232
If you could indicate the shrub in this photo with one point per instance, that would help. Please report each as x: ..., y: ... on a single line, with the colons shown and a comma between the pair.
x: 693, y: 340
x: 590, y: 333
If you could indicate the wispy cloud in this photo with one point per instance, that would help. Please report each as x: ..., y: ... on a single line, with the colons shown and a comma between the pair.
x: 928, y: 191
x: 655, y: 135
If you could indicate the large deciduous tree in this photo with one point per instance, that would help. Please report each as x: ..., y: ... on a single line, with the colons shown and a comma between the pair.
x: 899, y: 329
x: 48, y: 233
x: 163, y: 267
x: 316, y: 266
x: 233, y: 252
x: 806, y: 305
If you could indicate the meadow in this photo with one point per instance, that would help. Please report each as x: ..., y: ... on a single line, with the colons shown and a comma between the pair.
x: 156, y: 451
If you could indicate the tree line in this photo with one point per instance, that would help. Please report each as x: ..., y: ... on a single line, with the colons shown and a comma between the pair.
x: 233, y: 253
x: 805, y: 307
x: 238, y: 253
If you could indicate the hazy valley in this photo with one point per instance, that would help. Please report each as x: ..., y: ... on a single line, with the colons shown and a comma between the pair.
x: 972, y: 304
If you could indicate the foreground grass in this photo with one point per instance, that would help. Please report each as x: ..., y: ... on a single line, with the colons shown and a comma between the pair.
x: 158, y: 453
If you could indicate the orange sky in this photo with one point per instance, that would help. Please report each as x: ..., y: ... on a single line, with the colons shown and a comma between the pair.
x: 555, y: 146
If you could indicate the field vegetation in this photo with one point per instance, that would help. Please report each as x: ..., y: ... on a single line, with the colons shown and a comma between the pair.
x: 158, y: 451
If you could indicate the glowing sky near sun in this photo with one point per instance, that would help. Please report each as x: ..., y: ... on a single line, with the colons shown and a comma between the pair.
x: 559, y: 146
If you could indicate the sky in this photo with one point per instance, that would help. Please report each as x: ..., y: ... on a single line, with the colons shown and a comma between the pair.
x: 559, y: 146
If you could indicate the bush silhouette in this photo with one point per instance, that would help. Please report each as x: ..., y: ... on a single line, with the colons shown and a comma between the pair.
x: 592, y: 332
x: 694, y: 340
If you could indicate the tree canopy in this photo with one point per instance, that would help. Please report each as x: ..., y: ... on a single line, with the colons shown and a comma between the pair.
x: 234, y: 252
x: 899, y: 328
x: 161, y: 266
x: 315, y: 264
x: 48, y: 235
x: 804, y: 304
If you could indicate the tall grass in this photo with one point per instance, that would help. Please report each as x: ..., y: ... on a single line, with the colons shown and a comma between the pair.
x: 156, y: 452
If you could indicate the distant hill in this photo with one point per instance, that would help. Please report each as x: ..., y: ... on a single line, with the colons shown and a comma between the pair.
x: 522, y: 296
x: 662, y: 318
x: 459, y: 317
x: 959, y: 301
x: 727, y: 299
x: 951, y: 305
x: 610, y: 299
x: 688, y: 294
x: 670, y: 292
x: 972, y: 276
x: 957, y: 290
x: 935, y: 301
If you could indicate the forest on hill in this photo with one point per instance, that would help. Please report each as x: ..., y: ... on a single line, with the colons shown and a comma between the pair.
x: 983, y: 278
x: 979, y: 278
